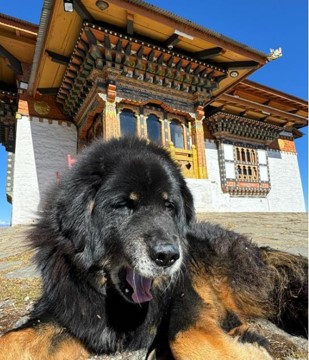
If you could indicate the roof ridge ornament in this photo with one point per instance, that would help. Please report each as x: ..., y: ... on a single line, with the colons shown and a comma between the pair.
x: 274, y: 54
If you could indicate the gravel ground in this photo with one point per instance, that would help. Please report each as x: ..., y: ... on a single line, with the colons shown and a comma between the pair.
x: 20, y: 282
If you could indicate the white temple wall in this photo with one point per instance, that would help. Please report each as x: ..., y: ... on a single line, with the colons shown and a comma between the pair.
x: 286, y: 193
x: 41, y: 149
x: 42, y: 146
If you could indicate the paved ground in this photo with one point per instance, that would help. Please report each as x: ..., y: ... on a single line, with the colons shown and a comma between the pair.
x: 20, y: 283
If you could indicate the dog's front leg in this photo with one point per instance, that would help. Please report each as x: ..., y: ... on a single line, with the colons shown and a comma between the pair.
x: 198, y: 343
x: 195, y: 331
x: 42, y: 342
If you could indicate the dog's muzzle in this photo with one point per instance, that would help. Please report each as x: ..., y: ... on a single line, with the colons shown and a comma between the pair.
x: 165, y: 255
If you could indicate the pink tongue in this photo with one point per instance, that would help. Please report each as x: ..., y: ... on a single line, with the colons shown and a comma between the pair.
x: 140, y: 285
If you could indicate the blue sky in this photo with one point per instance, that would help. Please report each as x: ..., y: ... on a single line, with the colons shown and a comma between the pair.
x: 262, y: 24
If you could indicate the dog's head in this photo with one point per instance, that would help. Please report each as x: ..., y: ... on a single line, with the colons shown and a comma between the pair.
x: 124, y: 208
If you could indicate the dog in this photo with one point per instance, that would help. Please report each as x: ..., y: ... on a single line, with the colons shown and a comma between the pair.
x: 126, y: 268
x: 230, y: 280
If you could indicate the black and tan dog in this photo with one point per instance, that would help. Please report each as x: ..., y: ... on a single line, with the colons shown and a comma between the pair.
x: 125, y: 268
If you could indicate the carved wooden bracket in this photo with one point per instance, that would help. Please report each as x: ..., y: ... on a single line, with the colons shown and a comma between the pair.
x: 111, y: 92
x: 199, y: 112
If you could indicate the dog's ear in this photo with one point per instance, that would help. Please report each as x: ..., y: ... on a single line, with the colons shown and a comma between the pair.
x: 73, y: 207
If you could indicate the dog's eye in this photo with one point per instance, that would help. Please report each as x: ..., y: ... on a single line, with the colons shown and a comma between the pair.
x: 125, y: 205
x: 169, y: 206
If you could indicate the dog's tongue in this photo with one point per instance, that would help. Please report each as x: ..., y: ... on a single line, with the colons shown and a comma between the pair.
x: 140, y: 285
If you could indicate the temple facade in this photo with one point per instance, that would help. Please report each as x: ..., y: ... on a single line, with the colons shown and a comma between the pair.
x: 124, y: 67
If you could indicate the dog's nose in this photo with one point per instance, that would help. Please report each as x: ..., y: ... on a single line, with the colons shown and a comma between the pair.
x: 165, y: 254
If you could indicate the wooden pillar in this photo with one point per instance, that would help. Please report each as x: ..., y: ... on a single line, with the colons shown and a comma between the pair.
x: 111, y: 126
x: 166, y: 130
x: 198, y: 140
x: 142, y: 120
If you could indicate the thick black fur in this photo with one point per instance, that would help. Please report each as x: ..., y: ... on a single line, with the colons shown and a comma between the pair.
x: 85, y: 231
x: 264, y: 282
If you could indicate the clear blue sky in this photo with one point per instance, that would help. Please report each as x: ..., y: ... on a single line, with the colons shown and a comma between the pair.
x: 262, y: 24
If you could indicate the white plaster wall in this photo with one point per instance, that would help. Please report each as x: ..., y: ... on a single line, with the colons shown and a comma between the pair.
x: 41, y: 150
x: 285, y: 195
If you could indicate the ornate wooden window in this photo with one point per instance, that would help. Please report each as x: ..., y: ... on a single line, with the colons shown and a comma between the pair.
x: 128, y: 123
x: 154, y: 132
x: 177, y: 134
x: 246, y: 164
x: 244, y: 170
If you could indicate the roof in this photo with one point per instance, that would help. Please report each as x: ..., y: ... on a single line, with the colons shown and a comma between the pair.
x: 195, y: 26
x: 51, y: 49
x: 143, y: 22
x: 260, y: 102
x: 17, y: 43
x: 19, y: 23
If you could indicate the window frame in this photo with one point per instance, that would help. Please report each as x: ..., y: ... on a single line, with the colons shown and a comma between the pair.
x: 247, y: 179
x: 185, y: 129
x: 137, y: 125
x: 160, y: 121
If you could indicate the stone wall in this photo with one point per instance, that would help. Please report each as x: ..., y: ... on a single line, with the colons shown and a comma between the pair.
x: 286, y: 194
x: 41, y: 149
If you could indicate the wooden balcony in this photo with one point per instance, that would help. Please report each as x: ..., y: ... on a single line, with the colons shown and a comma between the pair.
x: 187, y: 160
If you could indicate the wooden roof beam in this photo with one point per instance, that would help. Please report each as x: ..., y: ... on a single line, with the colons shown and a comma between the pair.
x: 13, y: 63
x: 288, y: 125
x: 48, y: 91
x: 130, y: 23
x: 173, y: 40
x: 21, y: 38
x: 276, y: 93
x: 58, y: 58
x: 209, y: 53
x: 234, y: 65
x: 296, y: 119
x: 82, y: 11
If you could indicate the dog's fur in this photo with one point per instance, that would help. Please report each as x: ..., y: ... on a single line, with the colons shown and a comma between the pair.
x: 126, y: 268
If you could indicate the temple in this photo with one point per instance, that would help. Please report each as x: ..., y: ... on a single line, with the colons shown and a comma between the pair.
x: 124, y: 67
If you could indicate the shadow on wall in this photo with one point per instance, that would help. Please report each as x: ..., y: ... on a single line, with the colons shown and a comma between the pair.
x: 52, y: 142
x: 274, y: 154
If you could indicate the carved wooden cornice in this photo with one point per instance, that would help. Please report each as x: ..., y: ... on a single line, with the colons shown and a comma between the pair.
x: 98, y: 48
x: 228, y: 126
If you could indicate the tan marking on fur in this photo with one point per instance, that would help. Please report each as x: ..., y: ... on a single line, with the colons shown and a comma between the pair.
x: 91, y: 206
x: 102, y: 281
x: 213, y: 344
x: 37, y: 344
x: 239, y: 330
x: 206, y: 340
x: 217, y: 289
x: 134, y: 196
x: 165, y: 195
x: 215, y: 294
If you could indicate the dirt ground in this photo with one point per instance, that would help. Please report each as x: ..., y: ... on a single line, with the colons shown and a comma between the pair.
x: 20, y: 282
x: 284, y: 231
